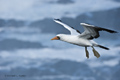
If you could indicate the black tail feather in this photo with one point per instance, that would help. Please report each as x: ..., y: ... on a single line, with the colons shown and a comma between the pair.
x: 103, y: 47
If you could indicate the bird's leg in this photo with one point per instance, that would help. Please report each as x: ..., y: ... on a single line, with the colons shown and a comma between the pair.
x: 87, y: 53
x: 95, y: 53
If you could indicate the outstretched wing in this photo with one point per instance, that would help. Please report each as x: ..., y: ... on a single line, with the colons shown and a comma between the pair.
x: 92, y: 31
x: 72, y: 30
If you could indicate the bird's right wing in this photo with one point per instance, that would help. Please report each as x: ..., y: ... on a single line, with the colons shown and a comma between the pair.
x: 92, y: 31
x: 72, y: 30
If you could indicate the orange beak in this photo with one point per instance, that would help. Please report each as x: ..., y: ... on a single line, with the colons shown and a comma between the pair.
x: 55, y: 38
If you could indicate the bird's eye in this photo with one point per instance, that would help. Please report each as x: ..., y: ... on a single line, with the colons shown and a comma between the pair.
x: 58, y: 37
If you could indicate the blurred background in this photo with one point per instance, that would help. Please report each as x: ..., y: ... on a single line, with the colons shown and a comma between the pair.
x: 26, y: 27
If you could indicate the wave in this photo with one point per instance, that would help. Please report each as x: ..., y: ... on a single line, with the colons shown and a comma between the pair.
x: 35, y: 10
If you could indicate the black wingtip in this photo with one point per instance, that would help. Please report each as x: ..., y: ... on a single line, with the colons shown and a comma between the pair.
x: 108, y: 30
x: 111, y: 31
x: 115, y: 32
x: 58, y: 20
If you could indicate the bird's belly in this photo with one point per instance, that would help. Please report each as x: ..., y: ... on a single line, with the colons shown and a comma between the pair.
x: 80, y: 42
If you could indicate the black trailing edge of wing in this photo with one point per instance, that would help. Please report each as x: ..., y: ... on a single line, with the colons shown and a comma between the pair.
x: 78, y: 31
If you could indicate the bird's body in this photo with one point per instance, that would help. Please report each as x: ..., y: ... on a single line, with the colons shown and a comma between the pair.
x: 82, y: 39
x: 74, y: 39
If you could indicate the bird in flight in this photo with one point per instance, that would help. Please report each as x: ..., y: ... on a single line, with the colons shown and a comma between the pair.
x: 82, y: 39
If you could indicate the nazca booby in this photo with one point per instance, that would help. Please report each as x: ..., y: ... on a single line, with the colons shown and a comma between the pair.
x: 82, y: 39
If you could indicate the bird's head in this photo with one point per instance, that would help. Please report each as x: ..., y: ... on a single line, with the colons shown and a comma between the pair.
x: 58, y: 37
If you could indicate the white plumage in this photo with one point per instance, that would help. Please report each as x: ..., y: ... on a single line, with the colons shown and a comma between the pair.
x: 82, y: 39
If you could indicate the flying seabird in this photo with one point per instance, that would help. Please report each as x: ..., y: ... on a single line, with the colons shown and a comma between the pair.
x: 82, y: 39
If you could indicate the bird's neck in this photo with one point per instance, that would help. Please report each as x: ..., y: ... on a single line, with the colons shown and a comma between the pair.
x: 67, y: 38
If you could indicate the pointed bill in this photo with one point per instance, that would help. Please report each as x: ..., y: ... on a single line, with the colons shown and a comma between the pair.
x: 55, y: 38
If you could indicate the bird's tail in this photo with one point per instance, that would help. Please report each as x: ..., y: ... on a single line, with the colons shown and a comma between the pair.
x: 103, y: 47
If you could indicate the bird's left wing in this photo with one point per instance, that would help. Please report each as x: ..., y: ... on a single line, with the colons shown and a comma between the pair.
x: 72, y: 30
x: 92, y: 31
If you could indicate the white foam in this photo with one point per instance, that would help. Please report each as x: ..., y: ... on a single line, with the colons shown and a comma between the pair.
x: 24, y: 56
x: 40, y: 9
